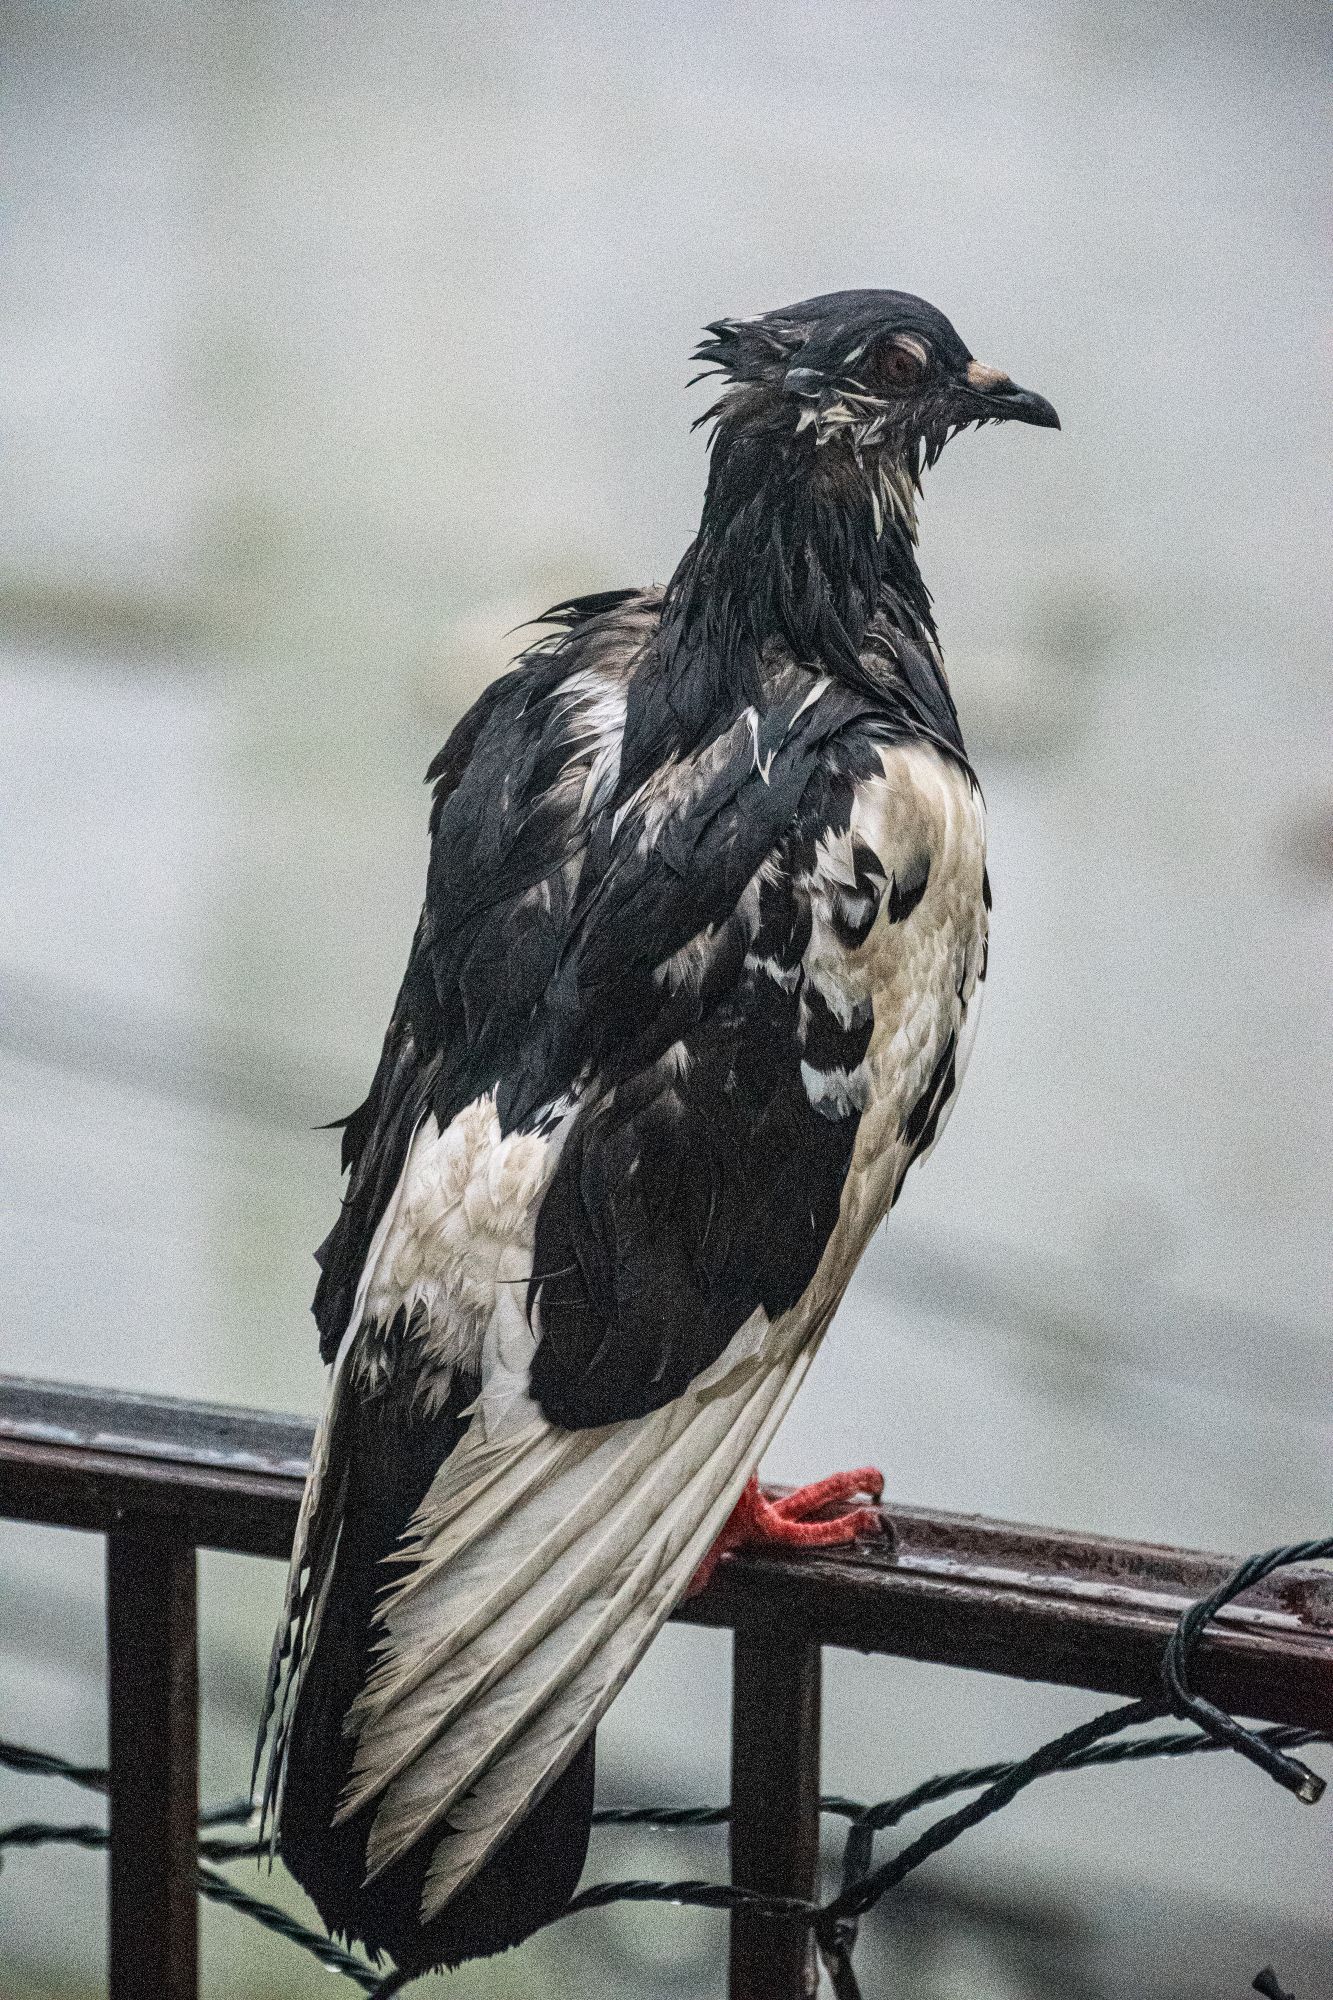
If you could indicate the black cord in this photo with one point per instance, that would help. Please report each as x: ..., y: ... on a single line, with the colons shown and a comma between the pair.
x: 1290, y: 1772
x: 1099, y: 1741
x: 219, y: 1889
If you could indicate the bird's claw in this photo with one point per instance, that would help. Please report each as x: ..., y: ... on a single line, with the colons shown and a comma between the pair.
x: 793, y: 1521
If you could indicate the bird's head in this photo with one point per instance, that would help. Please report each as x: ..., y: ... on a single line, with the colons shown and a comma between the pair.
x: 830, y: 412
x: 859, y: 373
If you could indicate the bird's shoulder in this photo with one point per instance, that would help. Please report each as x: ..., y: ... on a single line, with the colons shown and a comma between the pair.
x: 515, y: 792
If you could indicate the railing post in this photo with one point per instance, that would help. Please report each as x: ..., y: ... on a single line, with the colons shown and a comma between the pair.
x: 774, y: 1803
x: 153, y: 1731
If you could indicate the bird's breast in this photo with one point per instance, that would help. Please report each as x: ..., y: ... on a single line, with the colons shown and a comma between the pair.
x: 919, y: 970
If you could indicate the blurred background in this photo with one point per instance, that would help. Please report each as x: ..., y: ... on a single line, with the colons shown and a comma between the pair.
x: 335, y: 340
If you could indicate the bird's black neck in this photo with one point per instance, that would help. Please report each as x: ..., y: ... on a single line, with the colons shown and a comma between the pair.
x: 799, y: 545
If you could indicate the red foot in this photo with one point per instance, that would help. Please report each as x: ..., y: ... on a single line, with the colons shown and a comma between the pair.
x: 757, y: 1523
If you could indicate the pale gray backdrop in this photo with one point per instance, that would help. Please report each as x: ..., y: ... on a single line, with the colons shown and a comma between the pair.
x: 334, y: 341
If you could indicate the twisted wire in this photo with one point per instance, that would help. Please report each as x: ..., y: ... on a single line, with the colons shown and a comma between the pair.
x: 1099, y: 1741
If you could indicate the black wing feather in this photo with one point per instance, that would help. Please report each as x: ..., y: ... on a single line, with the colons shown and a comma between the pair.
x: 482, y: 957
x: 701, y: 1181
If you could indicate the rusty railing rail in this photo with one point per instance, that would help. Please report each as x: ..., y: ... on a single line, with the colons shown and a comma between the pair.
x: 162, y: 1478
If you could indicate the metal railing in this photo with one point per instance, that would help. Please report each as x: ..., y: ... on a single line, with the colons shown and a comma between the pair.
x: 162, y: 1479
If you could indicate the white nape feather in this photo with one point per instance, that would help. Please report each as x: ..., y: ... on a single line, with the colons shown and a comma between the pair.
x: 788, y: 977
x: 763, y: 765
x: 835, y: 1093
x: 819, y: 685
x: 595, y: 703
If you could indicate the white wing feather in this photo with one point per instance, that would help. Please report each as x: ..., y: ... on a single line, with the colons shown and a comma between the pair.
x: 508, y: 1642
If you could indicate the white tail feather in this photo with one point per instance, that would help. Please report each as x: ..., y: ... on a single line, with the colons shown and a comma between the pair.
x: 421, y: 1649
x: 478, y: 1487
x: 500, y: 1658
x: 506, y: 1791
x: 520, y: 1603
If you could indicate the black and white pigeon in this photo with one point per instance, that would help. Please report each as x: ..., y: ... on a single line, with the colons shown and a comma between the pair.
x: 695, y: 983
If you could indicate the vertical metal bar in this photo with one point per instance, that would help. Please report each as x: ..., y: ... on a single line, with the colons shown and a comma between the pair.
x: 153, y: 1730
x: 774, y: 1804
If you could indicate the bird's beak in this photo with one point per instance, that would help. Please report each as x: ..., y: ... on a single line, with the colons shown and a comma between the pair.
x: 996, y: 396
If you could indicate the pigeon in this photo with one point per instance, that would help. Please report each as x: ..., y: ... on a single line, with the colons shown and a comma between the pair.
x: 695, y: 982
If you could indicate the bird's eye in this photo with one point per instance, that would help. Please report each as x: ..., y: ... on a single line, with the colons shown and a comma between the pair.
x: 899, y: 363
